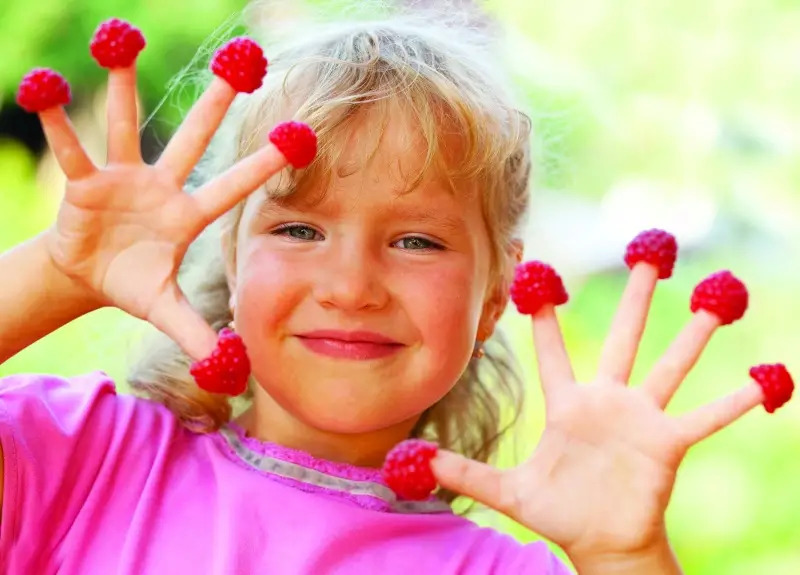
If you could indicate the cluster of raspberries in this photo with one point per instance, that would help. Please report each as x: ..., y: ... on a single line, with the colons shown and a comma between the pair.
x: 537, y: 287
x: 116, y: 44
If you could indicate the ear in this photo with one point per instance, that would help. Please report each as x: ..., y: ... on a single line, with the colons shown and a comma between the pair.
x: 498, y: 295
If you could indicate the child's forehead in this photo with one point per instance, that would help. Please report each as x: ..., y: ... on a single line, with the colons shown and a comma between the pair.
x: 373, y: 185
x: 383, y: 134
x: 382, y: 147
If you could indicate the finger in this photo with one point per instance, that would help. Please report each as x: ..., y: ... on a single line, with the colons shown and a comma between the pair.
x: 192, y: 138
x: 173, y: 315
x: 64, y: 142
x: 555, y: 369
x: 222, y: 193
x: 123, y: 116
x: 619, y: 350
x: 474, y: 479
x: 708, y: 419
x: 666, y: 376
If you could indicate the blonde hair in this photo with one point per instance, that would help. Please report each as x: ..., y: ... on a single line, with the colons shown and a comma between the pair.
x: 445, y: 75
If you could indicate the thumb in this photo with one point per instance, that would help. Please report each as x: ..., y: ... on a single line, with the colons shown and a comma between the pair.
x: 468, y: 477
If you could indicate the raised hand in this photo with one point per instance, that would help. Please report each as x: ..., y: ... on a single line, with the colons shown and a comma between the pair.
x: 600, y: 479
x: 123, y: 229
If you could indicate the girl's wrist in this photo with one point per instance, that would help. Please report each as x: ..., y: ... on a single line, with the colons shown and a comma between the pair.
x: 657, y: 559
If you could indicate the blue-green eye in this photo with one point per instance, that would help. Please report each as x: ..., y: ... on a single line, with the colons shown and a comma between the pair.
x: 298, y: 232
x: 416, y: 243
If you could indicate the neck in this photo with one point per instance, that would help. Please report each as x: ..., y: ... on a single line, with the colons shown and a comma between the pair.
x: 266, y: 420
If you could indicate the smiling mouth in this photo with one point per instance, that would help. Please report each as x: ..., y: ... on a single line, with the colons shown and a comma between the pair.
x: 359, y: 346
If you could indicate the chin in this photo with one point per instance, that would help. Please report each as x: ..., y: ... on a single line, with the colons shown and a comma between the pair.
x: 353, y: 418
x: 355, y: 400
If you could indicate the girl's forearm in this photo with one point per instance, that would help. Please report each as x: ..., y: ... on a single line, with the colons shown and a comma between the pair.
x: 659, y: 560
x: 35, y: 297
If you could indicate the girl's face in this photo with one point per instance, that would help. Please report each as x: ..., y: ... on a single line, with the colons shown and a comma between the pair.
x: 360, y: 304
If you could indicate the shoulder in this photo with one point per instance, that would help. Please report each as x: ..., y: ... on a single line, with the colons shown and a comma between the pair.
x: 54, y: 389
x: 53, y: 410
x: 65, y: 440
x: 42, y: 404
x: 91, y: 394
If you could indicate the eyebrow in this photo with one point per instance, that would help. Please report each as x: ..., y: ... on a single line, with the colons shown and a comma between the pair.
x: 393, y: 212
x: 427, y: 216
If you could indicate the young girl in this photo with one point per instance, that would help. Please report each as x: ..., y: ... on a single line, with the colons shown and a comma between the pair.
x: 365, y: 288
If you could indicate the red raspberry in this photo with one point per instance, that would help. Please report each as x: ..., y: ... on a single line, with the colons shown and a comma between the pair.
x: 535, y: 285
x: 116, y: 43
x: 722, y: 294
x: 296, y: 141
x: 776, y: 383
x: 227, y: 369
x: 42, y: 88
x: 655, y: 247
x: 407, y: 469
x: 241, y: 64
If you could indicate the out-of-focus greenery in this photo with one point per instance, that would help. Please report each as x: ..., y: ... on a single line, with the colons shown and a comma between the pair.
x: 675, y: 98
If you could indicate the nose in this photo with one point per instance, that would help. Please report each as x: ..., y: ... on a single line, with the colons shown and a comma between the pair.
x: 351, y: 279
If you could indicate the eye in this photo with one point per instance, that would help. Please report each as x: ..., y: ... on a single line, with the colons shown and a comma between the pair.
x: 298, y: 232
x: 417, y: 243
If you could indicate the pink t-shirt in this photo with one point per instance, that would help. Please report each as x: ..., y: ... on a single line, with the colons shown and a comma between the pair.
x: 97, y: 482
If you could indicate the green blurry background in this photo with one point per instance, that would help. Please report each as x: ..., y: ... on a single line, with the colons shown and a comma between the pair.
x: 669, y: 113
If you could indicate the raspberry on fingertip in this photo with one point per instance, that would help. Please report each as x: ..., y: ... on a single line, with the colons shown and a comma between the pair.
x: 722, y: 294
x: 535, y: 285
x: 227, y: 369
x: 407, y: 469
x: 116, y: 43
x: 656, y: 247
x: 41, y: 89
x: 776, y: 383
x: 296, y: 141
x: 241, y: 63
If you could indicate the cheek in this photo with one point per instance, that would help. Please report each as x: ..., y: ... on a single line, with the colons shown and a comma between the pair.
x: 266, y: 289
x: 445, y: 306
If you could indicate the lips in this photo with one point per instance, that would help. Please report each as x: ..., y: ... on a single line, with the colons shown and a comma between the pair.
x: 354, y: 345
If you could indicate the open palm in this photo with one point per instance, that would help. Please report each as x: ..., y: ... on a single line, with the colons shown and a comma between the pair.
x: 602, y: 474
x: 124, y: 228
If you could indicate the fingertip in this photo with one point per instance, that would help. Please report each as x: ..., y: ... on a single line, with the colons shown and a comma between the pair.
x: 754, y: 393
x: 448, y: 466
x: 443, y: 456
x: 123, y: 73
x: 706, y: 320
x: 747, y: 398
x: 221, y: 88
x: 546, y: 312
x: 645, y: 273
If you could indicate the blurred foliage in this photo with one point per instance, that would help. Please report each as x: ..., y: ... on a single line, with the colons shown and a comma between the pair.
x: 682, y: 95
